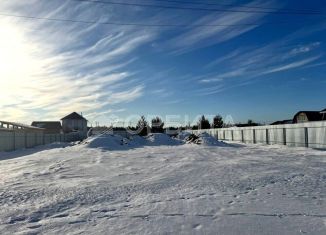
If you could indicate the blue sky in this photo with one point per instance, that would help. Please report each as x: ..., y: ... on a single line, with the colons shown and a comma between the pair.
x: 252, y: 61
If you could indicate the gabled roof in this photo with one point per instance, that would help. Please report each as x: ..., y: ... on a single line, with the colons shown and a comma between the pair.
x: 74, y: 116
x: 48, y: 125
x: 323, y: 111
x: 311, y: 115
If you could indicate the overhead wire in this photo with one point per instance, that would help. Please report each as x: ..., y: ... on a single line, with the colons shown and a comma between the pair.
x: 196, y: 8
x: 140, y: 24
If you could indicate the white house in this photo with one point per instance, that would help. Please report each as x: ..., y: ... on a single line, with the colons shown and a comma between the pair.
x: 74, y: 122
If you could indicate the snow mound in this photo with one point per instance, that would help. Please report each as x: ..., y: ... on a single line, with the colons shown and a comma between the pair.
x: 183, y: 135
x: 205, y: 139
x: 138, y: 140
x: 209, y: 140
x: 107, y: 141
x: 162, y: 139
x: 117, y: 142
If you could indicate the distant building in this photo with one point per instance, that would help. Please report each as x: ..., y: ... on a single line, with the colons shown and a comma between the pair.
x: 74, y: 122
x: 49, y: 126
x: 309, y: 116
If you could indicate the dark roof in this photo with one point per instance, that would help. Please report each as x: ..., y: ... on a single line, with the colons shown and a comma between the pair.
x: 47, y: 125
x: 311, y: 115
x: 246, y: 124
x: 288, y: 121
x: 324, y: 110
x: 74, y: 116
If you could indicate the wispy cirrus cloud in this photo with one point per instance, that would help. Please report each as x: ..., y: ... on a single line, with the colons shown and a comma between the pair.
x: 229, y: 25
x: 49, y: 68
x: 304, y: 48
x: 244, y: 66
x: 64, y: 68
x: 292, y: 65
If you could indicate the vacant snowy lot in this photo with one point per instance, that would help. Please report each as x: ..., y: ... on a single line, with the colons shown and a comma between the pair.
x: 163, y: 188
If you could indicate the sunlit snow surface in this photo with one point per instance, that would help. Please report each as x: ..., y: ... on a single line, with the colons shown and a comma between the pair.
x: 160, y: 186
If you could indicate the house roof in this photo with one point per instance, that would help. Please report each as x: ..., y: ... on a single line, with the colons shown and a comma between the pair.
x: 311, y: 115
x: 74, y: 116
x: 288, y: 121
x: 323, y: 111
x: 47, y: 125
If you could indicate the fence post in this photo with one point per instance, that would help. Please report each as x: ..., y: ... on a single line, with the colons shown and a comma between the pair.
x: 224, y: 135
x: 254, y: 135
x: 306, y: 137
x: 216, y: 135
x: 43, y: 136
x: 267, y: 137
x: 232, y: 135
x: 284, y: 136
x: 35, y: 139
x: 242, y: 136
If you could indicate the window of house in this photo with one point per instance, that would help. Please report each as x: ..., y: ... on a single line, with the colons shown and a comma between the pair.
x: 302, y: 117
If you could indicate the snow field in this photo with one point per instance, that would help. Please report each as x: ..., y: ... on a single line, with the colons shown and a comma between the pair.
x: 162, y: 187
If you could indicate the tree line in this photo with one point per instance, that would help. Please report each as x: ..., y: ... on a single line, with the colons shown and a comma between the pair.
x: 157, y: 125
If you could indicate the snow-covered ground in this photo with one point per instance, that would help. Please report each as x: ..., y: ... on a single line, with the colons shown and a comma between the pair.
x: 160, y: 186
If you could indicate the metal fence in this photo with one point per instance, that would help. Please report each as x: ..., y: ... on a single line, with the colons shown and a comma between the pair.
x: 15, y: 139
x: 309, y: 134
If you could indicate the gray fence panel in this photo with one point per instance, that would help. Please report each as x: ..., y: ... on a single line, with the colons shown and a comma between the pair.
x: 47, y: 139
x: 295, y: 137
x: 30, y: 140
x: 260, y: 136
x: 220, y: 134
x: 317, y: 137
x: 215, y: 133
x: 275, y: 136
x: 39, y: 138
x: 20, y: 140
x: 228, y: 135
x: 6, y: 141
x: 248, y: 136
x: 237, y: 135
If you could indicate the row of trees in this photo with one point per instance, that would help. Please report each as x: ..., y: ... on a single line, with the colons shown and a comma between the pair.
x: 204, y: 123
x: 157, y: 125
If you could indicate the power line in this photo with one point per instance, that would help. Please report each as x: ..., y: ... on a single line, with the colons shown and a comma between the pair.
x: 197, y: 9
x: 140, y: 24
x: 238, y: 5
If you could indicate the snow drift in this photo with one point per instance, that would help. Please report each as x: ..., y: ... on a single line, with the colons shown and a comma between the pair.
x: 162, y: 139
x: 182, y: 189
x: 117, y: 142
x: 201, y: 139
x: 108, y: 142
x: 208, y: 140
x: 183, y: 135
